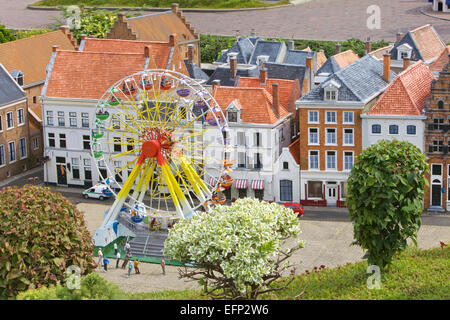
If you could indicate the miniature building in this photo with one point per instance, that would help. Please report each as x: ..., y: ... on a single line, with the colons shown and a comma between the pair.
x: 440, y: 5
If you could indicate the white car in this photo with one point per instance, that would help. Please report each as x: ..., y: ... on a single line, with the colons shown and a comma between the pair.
x: 99, y: 191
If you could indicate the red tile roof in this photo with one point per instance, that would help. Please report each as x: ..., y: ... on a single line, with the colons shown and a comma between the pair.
x: 255, y: 103
x: 294, y: 149
x: 441, y: 61
x: 87, y: 75
x: 407, y: 94
x: 427, y: 41
x: 381, y: 51
x: 345, y: 58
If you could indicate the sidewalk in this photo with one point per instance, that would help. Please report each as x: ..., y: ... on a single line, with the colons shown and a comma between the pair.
x: 38, y: 171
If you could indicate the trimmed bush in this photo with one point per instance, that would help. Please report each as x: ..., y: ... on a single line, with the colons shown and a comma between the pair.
x: 42, y: 235
x: 6, y: 34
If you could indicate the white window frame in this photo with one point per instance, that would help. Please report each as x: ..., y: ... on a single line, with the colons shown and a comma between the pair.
x: 313, y: 112
x: 2, y: 156
x: 318, y: 160
x: 239, y: 164
x: 49, y: 115
x: 371, y: 129
x: 318, y: 137
x: 25, y: 149
x: 326, y: 117
x: 343, y: 117
x: 256, y: 140
x: 20, y: 123
x: 35, y: 143
x: 85, y: 116
x: 409, y: 134
x: 326, y: 160
x: 393, y: 134
x: 327, y: 143
x: 343, y: 160
x: 7, y: 122
x: 9, y: 153
x: 343, y: 137
x: 243, y: 142
x: 72, y: 117
x: 329, y: 94
x: 54, y: 138
x: 61, y: 115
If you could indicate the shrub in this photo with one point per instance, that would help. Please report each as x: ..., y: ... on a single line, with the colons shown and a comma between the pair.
x: 385, y: 198
x: 21, y: 34
x: 237, y: 249
x: 6, y: 34
x: 42, y: 235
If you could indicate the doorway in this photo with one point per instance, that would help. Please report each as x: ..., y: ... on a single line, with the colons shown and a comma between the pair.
x: 331, y: 194
x: 61, y: 171
x: 436, y: 196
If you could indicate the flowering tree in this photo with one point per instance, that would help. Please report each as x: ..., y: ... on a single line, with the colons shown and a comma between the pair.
x: 237, y: 250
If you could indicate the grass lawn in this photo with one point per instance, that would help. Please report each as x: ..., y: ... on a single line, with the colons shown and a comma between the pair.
x: 416, y: 274
x: 210, y: 4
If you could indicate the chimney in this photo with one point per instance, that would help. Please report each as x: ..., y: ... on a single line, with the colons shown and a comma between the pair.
x: 191, y: 53
x: 55, y: 48
x: 406, y: 63
x: 387, y: 67
x: 263, y: 76
x: 338, y: 48
x: 368, y: 46
x: 399, y: 36
x: 174, y: 7
x: 276, y: 98
x: 172, y: 40
x: 65, y: 29
x: 147, y: 52
x: 291, y: 45
x: 215, y: 84
x: 233, y: 67
x: 121, y: 17
x: 83, y: 37
x: 309, y: 62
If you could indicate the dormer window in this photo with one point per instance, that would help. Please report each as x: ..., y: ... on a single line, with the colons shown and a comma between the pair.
x: 331, y: 90
x: 232, y: 116
x: 404, y: 51
x: 18, y: 76
x: 233, y: 112
x: 330, y: 95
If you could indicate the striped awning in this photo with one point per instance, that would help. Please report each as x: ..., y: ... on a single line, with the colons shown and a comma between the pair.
x: 240, y: 183
x: 213, y: 181
x: 257, y: 184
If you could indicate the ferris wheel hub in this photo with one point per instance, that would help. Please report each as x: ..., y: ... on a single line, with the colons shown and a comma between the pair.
x: 151, y: 148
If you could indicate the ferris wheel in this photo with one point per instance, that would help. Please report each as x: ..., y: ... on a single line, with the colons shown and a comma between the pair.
x: 148, y: 140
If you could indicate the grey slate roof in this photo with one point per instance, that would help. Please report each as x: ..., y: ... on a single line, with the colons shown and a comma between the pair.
x: 407, y: 38
x: 298, y: 57
x: 330, y: 66
x: 223, y: 74
x: 267, y: 48
x: 9, y: 89
x: 195, y: 72
x: 243, y: 47
x: 359, y: 81
x: 285, y: 71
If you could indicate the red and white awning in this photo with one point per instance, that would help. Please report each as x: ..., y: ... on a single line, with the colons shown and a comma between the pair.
x: 213, y: 181
x: 240, y: 183
x: 257, y: 184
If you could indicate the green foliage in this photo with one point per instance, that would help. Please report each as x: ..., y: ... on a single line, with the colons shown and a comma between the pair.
x: 385, y: 198
x: 211, y: 46
x: 6, y: 34
x: 42, y: 235
x: 236, y: 248
x: 21, y: 34
x: 92, y: 287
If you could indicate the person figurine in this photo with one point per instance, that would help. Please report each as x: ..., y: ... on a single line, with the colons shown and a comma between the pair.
x: 115, y: 249
x: 136, y: 266
x: 127, y: 247
x: 105, y: 264
x: 130, y: 267
x: 117, y: 259
x: 163, y: 266
x: 125, y: 261
x: 100, y: 258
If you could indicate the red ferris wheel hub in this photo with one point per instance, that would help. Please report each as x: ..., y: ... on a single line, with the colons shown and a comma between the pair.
x: 151, y: 148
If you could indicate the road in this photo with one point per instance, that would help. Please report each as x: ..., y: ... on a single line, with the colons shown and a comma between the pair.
x: 314, y: 20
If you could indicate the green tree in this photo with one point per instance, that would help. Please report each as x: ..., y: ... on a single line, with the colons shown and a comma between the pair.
x: 6, y: 34
x: 43, y: 234
x: 385, y: 198
x: 237, y: 250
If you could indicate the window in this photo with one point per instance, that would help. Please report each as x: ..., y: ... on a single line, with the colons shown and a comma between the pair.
x: 330, y: 117
x: 34, y: 99
x: 313, y: 160
x: 241, y: 138
x: 130, y: 144
x: 22, y: 148
x: 437, y: 146
x: 313, y: 116
x: 9, y: 120
x: 20, y: 117
x: 315, y: 189
x: 85, y: 120
x: 117, y: 144
x: 241, y: 159
x: 232, y: 116
x: 436, y: 169
x: 348, y: 117
x: 118, y: 176
x: 2, y: 156
x: 51, y: 140
x: 61, y: 121
x: 50, y: 118
x: 75, y: 168
x: 376, y: 128
x: 87, y: 169
x: 286, y: 190
x: 258, y: 162
x: 437, y: 124
x: 331, y: 136
x: 330, y: 95
x: 1, y: 123
x: 344, y: 189
x: 115, y: 123
x: 411, y: 129
x: 86, y: 142
x: 348, y: 160
x: 12, y: 151
x: 72, y: 119
x: 258, y: 139
x: 331, y: 160
x: 313, y: 136
x: 393, y: 129
x: 441, y: 104
x: 62, y: 140
x: 285, y: 165
x: 35, y: 143
x: 348, y: 137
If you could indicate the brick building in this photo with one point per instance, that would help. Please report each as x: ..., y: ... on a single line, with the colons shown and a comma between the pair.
x: 14, y: 131
x: 437, y: 142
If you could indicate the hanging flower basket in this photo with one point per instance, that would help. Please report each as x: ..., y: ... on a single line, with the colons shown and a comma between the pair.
x: 183, y: 92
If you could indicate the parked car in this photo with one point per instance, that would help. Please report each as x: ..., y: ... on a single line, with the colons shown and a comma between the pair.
x: 296, y: 207
x: 99, y: 191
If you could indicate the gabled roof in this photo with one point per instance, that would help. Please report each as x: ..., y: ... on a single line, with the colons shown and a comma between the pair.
x: 407, y: 94
x: 10, y: 91
x: 272, y: 49
x: 223, y: 74
x: 256, y: 104
x: 32, y: 55
x: 441, y: 61
x: 285, y: 71
x: 359, y: 82
x: 338, y: 62
x: 424, y: 41
x: 294, y: 149
x: 321, y: 59
x: 87, y: 75
x: 243, y: 47
x: 298, y: 57
x: 195, y: 72
x: 381, y: 51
